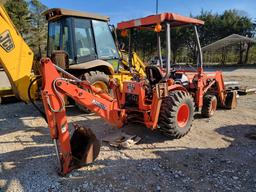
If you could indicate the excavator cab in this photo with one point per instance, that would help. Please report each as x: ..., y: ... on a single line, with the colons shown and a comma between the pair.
x: 85, y: 37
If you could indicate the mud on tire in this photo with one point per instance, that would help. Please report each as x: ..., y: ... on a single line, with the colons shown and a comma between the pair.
x: 176, y: 114
x: 95, y: 76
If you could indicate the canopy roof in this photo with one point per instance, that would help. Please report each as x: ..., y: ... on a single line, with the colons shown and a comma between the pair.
x: 229, y: 40
x: 174, y: 19
x: 55, y: 13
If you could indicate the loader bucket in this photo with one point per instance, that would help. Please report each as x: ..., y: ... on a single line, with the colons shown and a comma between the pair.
x: 85, y: 146
x: 231, y: 100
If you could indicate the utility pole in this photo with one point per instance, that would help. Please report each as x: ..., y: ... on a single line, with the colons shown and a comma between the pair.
x: 156, y: 7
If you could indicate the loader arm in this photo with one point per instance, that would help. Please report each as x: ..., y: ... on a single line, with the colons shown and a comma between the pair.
x: 137, y: 63
x: 15, y: 56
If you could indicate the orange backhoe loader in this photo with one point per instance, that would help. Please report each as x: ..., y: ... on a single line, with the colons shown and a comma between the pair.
x: 166, y: 99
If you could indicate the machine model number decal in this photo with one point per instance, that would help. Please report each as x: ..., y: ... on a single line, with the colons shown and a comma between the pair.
x: 6, y: 41
x: 100, y: 105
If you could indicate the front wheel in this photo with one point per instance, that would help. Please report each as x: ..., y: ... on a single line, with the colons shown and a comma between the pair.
x: 176, y: 114
x: 209, y: 105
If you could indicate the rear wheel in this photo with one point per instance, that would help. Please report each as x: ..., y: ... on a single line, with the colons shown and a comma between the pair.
x: 209, y: 105
x: 176, y: 114
x: 98, y: 79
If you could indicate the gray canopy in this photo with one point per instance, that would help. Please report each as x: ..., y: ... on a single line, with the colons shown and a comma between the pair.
x: 229, y: 40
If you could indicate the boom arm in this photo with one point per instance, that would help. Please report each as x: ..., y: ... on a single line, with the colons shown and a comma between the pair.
x: 54, y: 89
x: 15, y: 56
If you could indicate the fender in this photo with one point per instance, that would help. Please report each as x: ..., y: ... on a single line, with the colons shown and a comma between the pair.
x: 176, y: 87
x: 94, y: 64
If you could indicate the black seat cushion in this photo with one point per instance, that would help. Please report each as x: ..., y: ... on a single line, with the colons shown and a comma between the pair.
x: 154, y: 74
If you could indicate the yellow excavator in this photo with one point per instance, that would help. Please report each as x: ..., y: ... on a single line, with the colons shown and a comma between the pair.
x: 86, y: 38
x: 16, y: 57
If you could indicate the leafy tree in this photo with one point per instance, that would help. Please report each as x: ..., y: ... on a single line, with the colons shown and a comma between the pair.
x: 38, y: 33
x: 143, y: 42
x: 2, y: 1
x: 19, y: 12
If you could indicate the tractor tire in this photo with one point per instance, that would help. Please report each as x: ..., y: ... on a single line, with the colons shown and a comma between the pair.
x: 209, y: 106
x: 176, y: 114
x: 98, y: 79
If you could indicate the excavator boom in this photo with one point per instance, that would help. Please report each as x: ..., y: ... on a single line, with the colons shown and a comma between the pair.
x: 16, y: 57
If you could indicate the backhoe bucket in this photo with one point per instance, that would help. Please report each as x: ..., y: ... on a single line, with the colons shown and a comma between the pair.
x: 85, y: 146
x: 231, y: 100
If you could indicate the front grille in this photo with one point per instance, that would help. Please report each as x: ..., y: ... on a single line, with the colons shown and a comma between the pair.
x: 131, y: 100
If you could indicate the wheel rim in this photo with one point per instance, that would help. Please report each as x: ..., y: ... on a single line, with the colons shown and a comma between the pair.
x: 213, y: 106
x: 183, y: 115
x: 101, y: 85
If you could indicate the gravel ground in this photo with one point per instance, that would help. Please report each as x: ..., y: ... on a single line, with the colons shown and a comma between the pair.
x: 214, y: 156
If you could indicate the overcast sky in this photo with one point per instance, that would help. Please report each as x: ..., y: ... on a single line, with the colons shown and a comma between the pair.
x: 120, y: 10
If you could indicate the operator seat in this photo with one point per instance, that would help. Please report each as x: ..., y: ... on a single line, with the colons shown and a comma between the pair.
x: 81, y: 49
x: 154, y: 74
